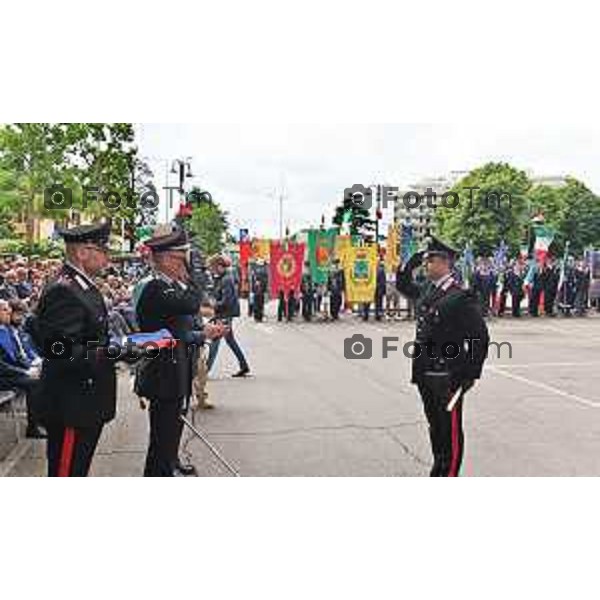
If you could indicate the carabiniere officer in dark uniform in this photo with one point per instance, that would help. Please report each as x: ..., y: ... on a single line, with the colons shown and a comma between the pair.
x: 78, y: 380
x: 452, y: 338
x: 169, y: 301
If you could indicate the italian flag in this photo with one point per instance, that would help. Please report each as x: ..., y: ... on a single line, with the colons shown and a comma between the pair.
x: 543, y: 238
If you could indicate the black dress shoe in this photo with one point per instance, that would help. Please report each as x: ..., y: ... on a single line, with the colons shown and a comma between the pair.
x: 242, y: 372
x: 186, y: 470
x: 35, y: 432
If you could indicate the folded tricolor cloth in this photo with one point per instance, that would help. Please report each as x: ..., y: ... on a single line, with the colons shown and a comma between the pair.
x: 157, y: 339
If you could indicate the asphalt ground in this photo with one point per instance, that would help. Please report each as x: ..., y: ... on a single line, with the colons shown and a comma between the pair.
x: 308, y: 411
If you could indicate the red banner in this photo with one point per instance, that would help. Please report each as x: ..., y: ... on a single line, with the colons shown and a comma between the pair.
x: 286, y: 267
x: 245, y: 254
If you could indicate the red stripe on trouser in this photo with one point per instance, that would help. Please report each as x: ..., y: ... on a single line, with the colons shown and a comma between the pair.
x: 455, y: 444
x: 66, y: 454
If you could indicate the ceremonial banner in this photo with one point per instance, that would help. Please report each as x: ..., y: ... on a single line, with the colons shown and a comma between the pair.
x: 407, y: 244
x: 468, y: 263
x: 543, y: 238
x: 320, y: 253
x: 245, y: 254
x: 500, y: 256
x: 261, y: 249
x: 343, y: 244
x: 532, y: 269
x: 342, y: 247
x: 593, y: 260
x: 361, y: 274
x: 391, y: 251
x: 285, y: 268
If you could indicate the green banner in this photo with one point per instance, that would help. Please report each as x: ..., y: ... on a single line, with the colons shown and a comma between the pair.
x: 320, y: 253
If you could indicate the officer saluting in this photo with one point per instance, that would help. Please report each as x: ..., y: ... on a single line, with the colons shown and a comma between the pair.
x: 78, y: 381
x: 169, y: 301
x: 452, y: 338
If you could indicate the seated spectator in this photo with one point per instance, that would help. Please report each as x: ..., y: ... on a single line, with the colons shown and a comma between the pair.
x: 19, y: 312
x: 19, y: 363
x: 117, y: 325
x: 22, y: 285
x: 7, y: 287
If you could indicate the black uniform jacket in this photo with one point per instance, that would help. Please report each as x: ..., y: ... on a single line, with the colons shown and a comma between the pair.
x: 336, y: 282
x: 162, y: 305
x: 447, y: 315
x: 80, y: 389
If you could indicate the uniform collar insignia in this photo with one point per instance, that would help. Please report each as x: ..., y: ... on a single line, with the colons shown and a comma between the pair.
x: 442, y: 282
x: 170, y: 281
x: 81, y: 281
x: 80, y: 277
x: 449, y: 282
x: 165, y: 278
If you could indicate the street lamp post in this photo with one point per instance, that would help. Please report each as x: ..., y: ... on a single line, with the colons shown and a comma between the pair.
x: 279, y: 196
x: 179, y: 166
x: 280, y: 215
x: 378, y: 196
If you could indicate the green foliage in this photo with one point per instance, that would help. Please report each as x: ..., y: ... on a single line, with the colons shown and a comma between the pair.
x: 579, y: 218
x: 549, y: 201
x: 360, y: 219
x: 9, y: 203
x: 44, y: 249
x: 497, y: 209
x: 103, y: 156
x: 209, y: 226
x: 33, y: 154
x: 572, y: 211
x: 76, y: 155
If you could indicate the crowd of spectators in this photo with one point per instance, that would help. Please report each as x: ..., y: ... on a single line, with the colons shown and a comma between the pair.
x: 22, y: 280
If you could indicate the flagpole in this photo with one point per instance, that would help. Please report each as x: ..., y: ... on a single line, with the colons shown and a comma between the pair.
x: 561, y: 283
x: 280, y: 216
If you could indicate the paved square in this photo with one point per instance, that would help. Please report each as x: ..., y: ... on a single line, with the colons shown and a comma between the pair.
x: 309, y: 411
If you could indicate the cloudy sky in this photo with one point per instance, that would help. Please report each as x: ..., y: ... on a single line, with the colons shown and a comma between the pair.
x: 247, y: 167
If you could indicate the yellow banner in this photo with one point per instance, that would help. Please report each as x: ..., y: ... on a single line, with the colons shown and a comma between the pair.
x: 391, y: 251
x: 261, y: 249
x: 342, y: 244
x: 360, y: 270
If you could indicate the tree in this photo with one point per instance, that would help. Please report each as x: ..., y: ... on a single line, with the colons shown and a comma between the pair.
x: 359, y: 218
x: 10, y: 202
x: 34, y: 154
x: 549, y: 201
x: 579, y: 218
x: 143, y: 212
x: 208, y: 224
x: 491, y: 205
x: 78, y: 156
x: 572, y: 211
x: 104, y: 156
